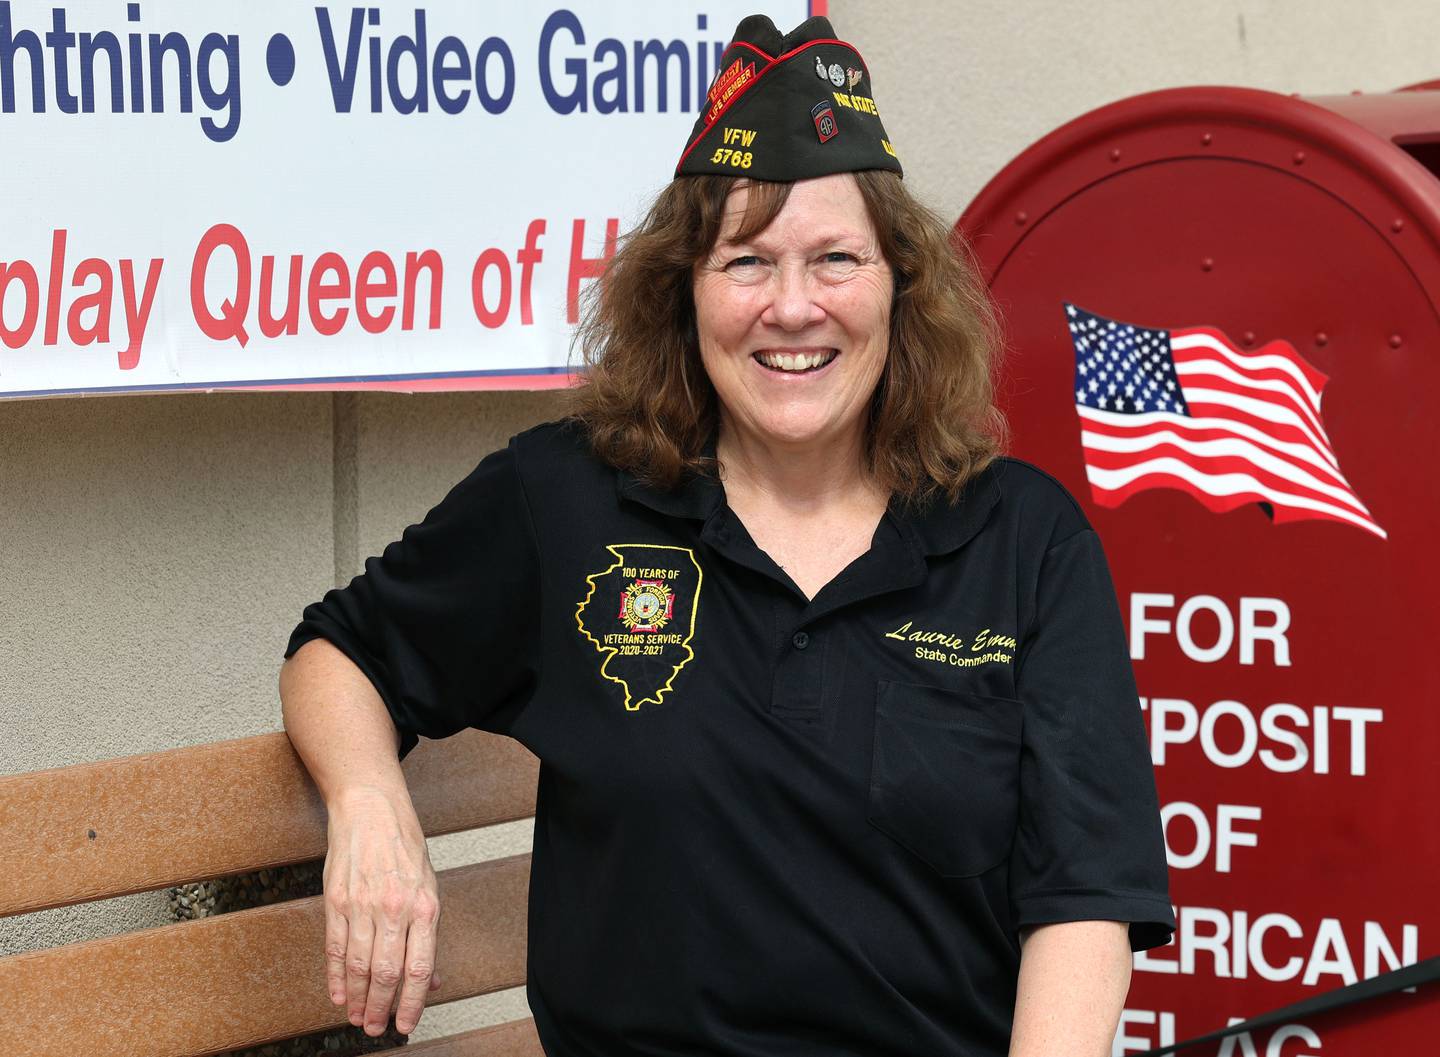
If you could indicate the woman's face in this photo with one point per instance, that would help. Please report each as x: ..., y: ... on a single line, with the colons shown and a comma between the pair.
x: 794, y: 323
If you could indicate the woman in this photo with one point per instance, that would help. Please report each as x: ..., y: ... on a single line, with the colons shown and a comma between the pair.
x: 840, y: 746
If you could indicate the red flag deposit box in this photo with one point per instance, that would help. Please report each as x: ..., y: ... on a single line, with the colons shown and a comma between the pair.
x: 1220, y: 310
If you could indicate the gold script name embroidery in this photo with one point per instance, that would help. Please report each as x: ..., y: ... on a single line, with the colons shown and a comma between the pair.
x: 983, y: 640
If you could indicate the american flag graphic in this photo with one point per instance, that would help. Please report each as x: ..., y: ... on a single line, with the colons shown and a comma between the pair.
x: 1186, y: 409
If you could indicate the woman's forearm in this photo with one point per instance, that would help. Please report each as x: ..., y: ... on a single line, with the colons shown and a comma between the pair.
x: 338, y: 723
x: 1074, y: 976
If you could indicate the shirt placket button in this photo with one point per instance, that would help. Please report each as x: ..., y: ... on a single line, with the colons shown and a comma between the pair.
x: 801, y: 640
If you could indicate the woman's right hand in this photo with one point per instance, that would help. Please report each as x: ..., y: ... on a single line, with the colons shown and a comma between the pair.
x: 382, y: 910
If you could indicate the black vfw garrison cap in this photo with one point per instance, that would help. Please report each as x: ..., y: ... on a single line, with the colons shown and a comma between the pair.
x: 788, y: 108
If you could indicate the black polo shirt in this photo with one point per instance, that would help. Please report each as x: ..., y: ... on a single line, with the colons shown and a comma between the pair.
x: 765, y: 824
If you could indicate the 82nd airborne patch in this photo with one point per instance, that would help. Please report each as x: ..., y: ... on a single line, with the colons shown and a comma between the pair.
x: 639, y: 613
x: 824, y: 119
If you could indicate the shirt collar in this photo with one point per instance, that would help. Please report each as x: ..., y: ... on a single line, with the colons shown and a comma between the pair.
x: 937, y: 527
x: 940, y: 526
x: 697, y: 496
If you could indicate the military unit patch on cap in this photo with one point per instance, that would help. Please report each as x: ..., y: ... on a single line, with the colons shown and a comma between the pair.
x: 788, y: 108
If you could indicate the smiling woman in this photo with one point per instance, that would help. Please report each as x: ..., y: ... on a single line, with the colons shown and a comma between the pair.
x: 840, y: 746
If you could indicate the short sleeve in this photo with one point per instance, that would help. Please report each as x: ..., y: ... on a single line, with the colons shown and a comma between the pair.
x: 1089, y: 844
x: 442, y: 622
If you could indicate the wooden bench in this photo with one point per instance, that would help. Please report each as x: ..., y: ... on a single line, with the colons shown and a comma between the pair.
x: 235, y: 980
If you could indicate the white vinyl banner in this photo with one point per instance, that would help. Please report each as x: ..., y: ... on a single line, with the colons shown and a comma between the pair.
x: 266, y: 195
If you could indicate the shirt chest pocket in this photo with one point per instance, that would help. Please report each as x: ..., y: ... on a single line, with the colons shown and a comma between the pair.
x: 945, y: 775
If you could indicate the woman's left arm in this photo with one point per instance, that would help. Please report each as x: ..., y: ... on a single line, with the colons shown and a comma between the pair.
x: 1074, y: 976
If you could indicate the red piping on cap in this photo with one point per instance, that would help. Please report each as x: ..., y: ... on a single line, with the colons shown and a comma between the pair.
x: 775, y: 62
x: 752, y: 47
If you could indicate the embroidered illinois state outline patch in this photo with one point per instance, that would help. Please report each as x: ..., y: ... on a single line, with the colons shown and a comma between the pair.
x: 639, y: 613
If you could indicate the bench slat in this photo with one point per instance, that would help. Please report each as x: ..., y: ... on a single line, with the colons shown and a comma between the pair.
x: 111, y: 828
x: 514, y: 1038
x: 241, y: 979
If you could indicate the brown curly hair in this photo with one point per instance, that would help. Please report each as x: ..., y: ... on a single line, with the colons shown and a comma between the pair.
x: 648, y: 405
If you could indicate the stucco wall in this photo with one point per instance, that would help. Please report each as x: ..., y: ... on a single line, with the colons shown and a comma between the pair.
x: 156, y: 550
x: 964, y: 87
